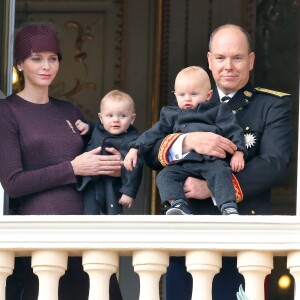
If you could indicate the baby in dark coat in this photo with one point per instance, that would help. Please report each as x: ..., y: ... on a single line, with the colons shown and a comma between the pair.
x: 194, y: 113
x: 107, y: 194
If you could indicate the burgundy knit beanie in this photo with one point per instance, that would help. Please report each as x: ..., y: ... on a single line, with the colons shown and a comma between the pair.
x: 36, y: 37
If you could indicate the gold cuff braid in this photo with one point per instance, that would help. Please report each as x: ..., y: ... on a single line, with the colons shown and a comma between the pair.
x: 165, y: 147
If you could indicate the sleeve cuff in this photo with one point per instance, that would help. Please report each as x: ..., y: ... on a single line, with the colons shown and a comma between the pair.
x: 237, y: 188
x: 164, y: 148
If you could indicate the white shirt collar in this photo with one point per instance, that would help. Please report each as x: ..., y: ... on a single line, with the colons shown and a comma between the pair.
x: 221, y: 94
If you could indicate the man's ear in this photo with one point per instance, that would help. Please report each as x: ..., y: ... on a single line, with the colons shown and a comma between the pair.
x: 209, y: 59
x: 251, y: 60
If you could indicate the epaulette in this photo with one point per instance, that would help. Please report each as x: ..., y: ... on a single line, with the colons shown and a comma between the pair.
x: 271, y: 92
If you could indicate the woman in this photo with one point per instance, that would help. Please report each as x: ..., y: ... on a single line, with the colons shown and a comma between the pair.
x: 41, y: 149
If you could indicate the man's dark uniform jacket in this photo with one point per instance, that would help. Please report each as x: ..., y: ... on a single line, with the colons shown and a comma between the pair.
x: 107, y: 190
x: 265, y: 117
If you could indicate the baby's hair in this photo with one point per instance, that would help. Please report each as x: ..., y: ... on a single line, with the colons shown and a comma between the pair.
x: 195, y: 70
x: 117, y: 95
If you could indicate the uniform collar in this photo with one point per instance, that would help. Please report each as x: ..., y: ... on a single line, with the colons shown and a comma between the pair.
x: 239, y: 100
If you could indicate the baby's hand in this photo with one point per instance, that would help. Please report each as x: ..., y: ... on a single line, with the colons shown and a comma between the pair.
x: 82, y: 127
x: 126, y: 201
x: 237, y: 162
x: 130, y: 159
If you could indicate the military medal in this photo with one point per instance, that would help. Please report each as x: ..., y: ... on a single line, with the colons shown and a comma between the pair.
x: 250, y: 140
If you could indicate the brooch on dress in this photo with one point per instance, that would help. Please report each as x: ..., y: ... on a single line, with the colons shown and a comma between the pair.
x: 70, y: 125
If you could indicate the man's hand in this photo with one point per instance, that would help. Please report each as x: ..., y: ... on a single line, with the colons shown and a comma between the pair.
x: 196, y: 188
x: 208, y: 143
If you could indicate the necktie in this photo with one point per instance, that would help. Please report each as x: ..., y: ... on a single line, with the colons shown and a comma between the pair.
x: 225, y: 99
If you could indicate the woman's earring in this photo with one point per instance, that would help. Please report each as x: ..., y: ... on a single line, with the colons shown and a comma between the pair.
x: 20, y: 70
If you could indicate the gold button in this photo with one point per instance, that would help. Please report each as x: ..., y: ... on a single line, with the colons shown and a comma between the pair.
x: 253, y: 212
x: 247, y: 128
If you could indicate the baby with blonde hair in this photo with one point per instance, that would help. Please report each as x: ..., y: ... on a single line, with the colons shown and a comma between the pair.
x: 107, y: 194
x: 193, y: 113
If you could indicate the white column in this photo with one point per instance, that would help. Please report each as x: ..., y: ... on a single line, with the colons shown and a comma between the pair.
x: 100, y: 265
x: 150, y: 265
x: 49, y: 266
x: 203, y: 265
x: 293, y: 264
x: 255, y: 266
x: 7, y: 263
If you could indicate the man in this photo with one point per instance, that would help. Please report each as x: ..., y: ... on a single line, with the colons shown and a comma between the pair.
x: 265, y: 117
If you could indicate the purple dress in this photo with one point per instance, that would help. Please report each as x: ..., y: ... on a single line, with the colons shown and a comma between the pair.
x: 38, y: 141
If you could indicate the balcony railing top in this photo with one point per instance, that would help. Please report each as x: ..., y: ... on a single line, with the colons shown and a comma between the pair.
x: 126, y: 233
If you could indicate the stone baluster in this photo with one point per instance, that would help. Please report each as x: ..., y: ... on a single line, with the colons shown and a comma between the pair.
x: 49, y: 266
x: 100, y: 265
x: 7, y: 262
x: 203, y: 265
x: 150, y: 265
x: 293, y: 264
x: 255, y: 266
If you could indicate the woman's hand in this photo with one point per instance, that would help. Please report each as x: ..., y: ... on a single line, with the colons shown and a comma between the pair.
x: 208, y: 143
x: 115, y: 152
x: 196, y: 188
x: 92, y: 164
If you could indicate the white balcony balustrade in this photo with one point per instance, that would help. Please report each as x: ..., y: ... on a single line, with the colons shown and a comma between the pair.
x: 150, y: 240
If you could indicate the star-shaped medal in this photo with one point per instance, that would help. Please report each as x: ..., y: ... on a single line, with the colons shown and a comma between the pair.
x: 250, y: 140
